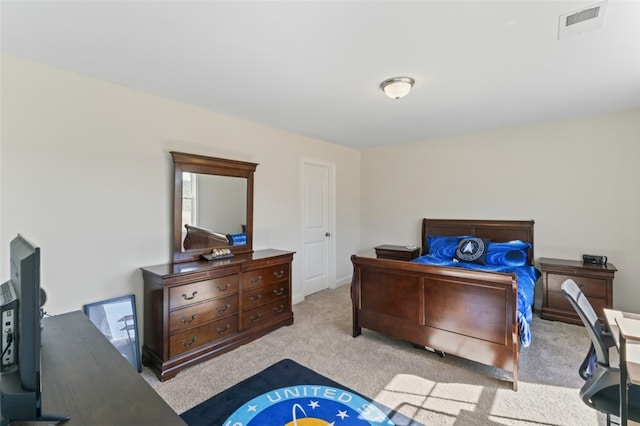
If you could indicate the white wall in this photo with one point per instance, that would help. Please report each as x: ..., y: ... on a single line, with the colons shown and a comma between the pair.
x: 579, y: 180
x: 86, y: 174
x: 212, y: 192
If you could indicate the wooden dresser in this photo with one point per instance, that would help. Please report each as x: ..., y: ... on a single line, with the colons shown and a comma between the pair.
x: 595, y: 281
x: 194, y: 311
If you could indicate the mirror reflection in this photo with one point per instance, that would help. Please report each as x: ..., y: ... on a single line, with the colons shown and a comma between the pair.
x: 214, y: 210
x: 212, y: 206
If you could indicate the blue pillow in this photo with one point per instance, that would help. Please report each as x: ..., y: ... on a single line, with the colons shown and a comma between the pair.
x: 444, y: 246
x: 472, y: 249
x: 512, y: 253
x: 237, y: 239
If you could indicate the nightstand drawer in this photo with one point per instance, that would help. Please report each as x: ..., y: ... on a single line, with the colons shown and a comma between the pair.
x: 590, y: 286
x: 397, y: 252
x: 595, y: 282
x: 557, y: 302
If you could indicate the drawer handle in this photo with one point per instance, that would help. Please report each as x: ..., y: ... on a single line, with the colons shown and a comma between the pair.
x: 226, y: 287
x: 223, y: 331
x: 225, y: 309
x: 186, y: 321
x: 255, y: 299
x: 187, y: 344
x: 255, y: 318
x: 278, y: 274
x: 185, y: 297
x: 256, y: 279
x: 279, y: 292
x: 279, y: 310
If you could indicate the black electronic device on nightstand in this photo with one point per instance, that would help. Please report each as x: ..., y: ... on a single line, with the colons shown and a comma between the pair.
x: 594, y: 259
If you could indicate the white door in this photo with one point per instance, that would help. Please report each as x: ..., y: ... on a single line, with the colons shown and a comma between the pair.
x: 317, y: 217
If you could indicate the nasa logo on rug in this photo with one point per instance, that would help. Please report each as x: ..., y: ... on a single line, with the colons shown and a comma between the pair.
x: 308, y: 405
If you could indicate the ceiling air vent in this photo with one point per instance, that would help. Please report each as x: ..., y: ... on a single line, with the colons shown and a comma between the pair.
x: 581, y: 21
x: 583, y: 15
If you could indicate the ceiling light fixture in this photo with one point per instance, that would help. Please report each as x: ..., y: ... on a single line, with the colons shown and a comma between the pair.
x: 397, y: 87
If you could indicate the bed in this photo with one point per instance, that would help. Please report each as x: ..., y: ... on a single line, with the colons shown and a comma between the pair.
x: 199, y: 238
x: 471, y: 313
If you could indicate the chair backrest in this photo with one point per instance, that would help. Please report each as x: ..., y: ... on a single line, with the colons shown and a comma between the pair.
x: 589, y: 317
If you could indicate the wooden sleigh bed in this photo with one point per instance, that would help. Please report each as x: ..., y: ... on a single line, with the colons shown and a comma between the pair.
x: 468, y: 313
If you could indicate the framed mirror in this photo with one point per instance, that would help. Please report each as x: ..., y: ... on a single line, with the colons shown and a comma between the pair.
x: 212, y: 206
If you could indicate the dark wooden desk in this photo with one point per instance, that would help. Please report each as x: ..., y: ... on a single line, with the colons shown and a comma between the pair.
x: 625, y: 328
x: 85, y: 377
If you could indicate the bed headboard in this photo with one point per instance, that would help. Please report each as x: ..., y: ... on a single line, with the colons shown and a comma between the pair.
x: 497, y: 230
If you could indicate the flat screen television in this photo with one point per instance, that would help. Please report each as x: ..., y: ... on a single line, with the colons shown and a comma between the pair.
x: 21, y: 397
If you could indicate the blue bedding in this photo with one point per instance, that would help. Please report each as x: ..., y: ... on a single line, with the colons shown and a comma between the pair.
x: 526, y: 275
x: 237, y: 239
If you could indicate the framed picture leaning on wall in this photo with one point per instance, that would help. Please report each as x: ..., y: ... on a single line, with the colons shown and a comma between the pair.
x: 116, y: 318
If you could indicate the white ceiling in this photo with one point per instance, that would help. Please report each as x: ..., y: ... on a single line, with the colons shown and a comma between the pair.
x: 314, y: 68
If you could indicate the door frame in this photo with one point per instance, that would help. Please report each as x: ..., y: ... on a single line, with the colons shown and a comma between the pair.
x: 331, y: 187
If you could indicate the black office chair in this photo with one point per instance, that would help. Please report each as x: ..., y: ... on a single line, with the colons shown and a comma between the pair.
x: 601, y: 390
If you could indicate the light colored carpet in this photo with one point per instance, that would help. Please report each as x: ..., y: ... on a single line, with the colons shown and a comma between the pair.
x: 421, y: 385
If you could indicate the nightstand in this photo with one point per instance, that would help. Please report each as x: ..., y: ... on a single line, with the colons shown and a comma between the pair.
x: 388, y: 251
x: 595, y: 281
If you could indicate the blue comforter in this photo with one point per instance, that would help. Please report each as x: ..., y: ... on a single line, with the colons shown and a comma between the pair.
x: 526, y: 275
x: 237, y: 239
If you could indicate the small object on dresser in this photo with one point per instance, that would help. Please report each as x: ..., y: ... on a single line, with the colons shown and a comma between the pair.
x: 218, y: 253
x: 594, y: 259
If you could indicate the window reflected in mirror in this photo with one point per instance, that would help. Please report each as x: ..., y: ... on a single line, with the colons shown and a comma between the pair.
x: 188, y: 210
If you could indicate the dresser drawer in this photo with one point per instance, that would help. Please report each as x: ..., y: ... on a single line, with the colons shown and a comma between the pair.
x: 206, y: 333
x: 265, y: 313
x: 195, y: 315
x: 265, y: 276
x: 200, y: 276
x: 204, y: 290
x: 590, y: 286
x: 264, y: 294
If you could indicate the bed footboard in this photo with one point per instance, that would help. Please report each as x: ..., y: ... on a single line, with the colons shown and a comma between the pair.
x: 470, y: 314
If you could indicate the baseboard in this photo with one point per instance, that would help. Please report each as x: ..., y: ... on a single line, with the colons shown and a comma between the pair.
x: 342, y: 281
x: 297, y: 298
